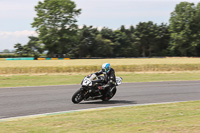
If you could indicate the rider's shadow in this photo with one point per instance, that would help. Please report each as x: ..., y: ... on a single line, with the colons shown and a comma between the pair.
x: 110, y: 102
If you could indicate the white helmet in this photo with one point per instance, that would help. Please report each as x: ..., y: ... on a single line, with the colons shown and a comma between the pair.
x: 106, y: 68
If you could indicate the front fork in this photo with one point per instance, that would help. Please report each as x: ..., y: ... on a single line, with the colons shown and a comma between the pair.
x: 85, y: 93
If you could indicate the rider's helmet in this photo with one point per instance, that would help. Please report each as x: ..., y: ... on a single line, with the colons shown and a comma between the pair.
x: 106, y: 68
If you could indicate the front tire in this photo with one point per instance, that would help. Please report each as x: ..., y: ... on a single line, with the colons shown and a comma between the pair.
x: 77, y: 97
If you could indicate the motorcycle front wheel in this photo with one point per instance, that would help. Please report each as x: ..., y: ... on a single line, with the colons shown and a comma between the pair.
x: 78, y: 96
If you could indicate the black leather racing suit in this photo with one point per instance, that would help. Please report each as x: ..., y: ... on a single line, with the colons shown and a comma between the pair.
x: 110, y: 79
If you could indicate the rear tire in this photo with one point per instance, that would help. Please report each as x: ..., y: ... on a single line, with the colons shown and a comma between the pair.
x: 107, y: 98
x: 77, y: 97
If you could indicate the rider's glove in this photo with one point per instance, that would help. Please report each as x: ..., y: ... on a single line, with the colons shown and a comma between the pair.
x: 103, y: 87
x: 100, y: 88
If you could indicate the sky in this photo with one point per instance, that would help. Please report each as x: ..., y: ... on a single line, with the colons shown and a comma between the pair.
x: 16, y: 16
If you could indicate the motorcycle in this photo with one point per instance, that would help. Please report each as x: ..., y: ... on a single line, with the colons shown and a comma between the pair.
x: 89, y: 89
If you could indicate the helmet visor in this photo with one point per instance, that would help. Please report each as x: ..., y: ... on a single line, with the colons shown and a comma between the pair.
x: 105, y: 69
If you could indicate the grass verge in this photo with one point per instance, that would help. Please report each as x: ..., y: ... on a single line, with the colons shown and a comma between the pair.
x: 81, y: 69
x: 91, y: 65
x: 2, y: 59
x: 65, y: 79
x: 165, y: 118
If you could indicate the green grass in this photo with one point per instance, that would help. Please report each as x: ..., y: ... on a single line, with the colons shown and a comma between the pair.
x: 39, y: 80
x: 153, y: 77
x: 65, y: 79
x: 165, y: 118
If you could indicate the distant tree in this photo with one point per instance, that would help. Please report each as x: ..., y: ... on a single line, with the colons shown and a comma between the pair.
x: 34, y: 46
x: 87, y: 43
x: 103, y: 47
x: 12, y: 51
x: 132, y: 29
x: 196, y: 29
x: 128, y: 45
x: 121, y: 43
x: 27, y: 51
x: 22, y: 50
x: 162, y: 40
x: 107, y: 33
x: 19, y: 49
x: 123, y: 29
x: 126, y: 31
x: 145, y: 37
x: 6, y: 51
x: 56, y: 25
x: 184, y: 28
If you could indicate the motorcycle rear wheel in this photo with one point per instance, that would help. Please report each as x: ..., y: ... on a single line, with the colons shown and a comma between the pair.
x: 77, y: 97
x: 107, y: 98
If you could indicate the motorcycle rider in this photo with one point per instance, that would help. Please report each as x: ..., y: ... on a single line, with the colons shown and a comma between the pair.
x: 109, y: 78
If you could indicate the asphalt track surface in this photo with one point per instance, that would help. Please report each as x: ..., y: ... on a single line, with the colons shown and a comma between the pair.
x: 23, y: 101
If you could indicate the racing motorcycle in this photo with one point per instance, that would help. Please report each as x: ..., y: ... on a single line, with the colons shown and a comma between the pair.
x: 89, y: 89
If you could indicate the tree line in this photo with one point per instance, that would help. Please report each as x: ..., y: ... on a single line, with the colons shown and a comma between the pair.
x: 59, y: 35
